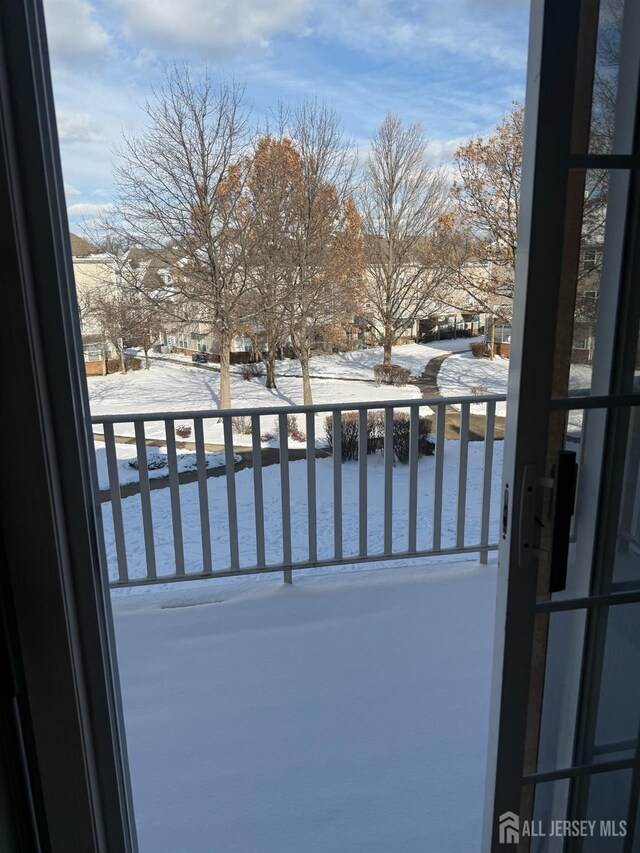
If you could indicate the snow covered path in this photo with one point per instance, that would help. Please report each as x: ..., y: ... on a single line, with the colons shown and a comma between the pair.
x: 345, y: 713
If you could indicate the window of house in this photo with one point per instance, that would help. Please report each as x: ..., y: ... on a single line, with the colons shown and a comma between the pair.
x: 589, y: 259
x: 92, y: 352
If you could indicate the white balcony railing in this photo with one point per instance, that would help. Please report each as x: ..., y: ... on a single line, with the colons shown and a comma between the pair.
x: 408, y: 512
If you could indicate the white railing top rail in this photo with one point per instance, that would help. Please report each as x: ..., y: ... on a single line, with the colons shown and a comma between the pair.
x: 247, y: 411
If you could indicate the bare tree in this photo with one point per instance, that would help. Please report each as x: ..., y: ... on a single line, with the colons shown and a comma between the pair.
x: 605, y: 84
x: 180, y: 191
x: 324, y: 254
x: 487, y: 196
x: 400, y: 200
x: 477, y: 241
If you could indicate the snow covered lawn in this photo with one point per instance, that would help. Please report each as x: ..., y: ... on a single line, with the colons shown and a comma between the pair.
x: 346, y: 713
x: 461, y: 373
x: 170, y: 387
x: 217, y: 491
x: 360, y: 363
x: 167, y: 387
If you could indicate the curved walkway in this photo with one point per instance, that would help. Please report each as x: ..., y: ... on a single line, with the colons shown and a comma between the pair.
x: 428, y: 385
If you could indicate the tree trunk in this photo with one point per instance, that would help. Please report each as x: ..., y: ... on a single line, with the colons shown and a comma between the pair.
x: 270, y: 364
x: 307, y: 396
x: 123, y: 365
x: 387, y: 343
x: 146, y: 359
x: 225, y: 371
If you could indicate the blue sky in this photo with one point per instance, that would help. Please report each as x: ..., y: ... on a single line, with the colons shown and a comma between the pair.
x: 453, y: 65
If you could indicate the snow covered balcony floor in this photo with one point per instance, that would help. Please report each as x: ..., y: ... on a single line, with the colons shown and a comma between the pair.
x: 347, y: 712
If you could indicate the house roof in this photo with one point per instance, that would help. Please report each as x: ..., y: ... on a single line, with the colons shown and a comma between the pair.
x: 151, y: 262
x: 81, y: 248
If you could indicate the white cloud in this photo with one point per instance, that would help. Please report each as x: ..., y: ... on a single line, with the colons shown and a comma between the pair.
x: 76, y: 127
x: 442, y: 150
x: 470, y: 29
x: 83, y: 209
x: 73, y: 34
x: 213, y: 25
x: 70, y: 190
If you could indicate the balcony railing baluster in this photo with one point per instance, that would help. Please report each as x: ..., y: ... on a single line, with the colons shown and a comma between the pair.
x: 388, y: 480
x: 462, y: 474
x: 232, y: 507
x: 337, y: 483
x: 174, y: 491
x: 438, y: 477
x: 487, y: 478
x: 145, y: 499
x: 116, y: 504
x: 312, y: 513
x: 285, y: 491
x: 412, y: 515
x: 363, y: 416
x: 203, y: 496
x: 258, y: 496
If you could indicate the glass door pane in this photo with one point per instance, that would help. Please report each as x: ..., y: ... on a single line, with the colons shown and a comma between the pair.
x: 566, y: 714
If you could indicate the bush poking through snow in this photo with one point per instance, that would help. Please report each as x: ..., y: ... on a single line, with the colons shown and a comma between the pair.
x: 375, y: 435
x: 155, y: 459
x: 251, y: 370
x: 480, y: 349
x: 391, y: 374
x: 184, y: 430
x: 476, y: 390
x: 293, y: 430
x: 241, y: 424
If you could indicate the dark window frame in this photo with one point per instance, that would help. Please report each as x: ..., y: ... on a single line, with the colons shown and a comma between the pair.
x: 65, y: 697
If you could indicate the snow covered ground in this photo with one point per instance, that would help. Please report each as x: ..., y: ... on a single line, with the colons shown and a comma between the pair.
x: 217, y: 490
x: 462, y: 372
x: 360, y: 363
x: 345, y: 713
x: 170, y: 387
x: 338, y: 378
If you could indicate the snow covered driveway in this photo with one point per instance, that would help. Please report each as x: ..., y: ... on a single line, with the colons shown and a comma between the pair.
x: 345, y: 713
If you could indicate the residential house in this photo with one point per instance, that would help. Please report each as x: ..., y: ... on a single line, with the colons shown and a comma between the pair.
x: 93, y: 271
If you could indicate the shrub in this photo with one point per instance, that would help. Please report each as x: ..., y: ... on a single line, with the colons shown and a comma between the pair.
x: 391, y: 374
x: 251, y: 370
x: 130, y: 363
x: 348, y: 438
x: 480, y: 350
x: 479, y: 389
x: 241, y: 425
x: 401, y: 437
x: 293, y: 430
x: 183, y: 430
x: 375, y: 435
x: 155, y: 459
